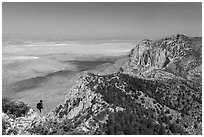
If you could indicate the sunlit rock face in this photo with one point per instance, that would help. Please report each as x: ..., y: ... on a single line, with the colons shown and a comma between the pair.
x: 84, y: 104
x: 177, y: 54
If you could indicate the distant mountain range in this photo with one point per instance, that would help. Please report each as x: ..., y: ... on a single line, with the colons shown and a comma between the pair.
x: 157, y: 89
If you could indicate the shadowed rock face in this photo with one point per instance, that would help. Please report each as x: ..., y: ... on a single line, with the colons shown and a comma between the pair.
x: 157, y: 91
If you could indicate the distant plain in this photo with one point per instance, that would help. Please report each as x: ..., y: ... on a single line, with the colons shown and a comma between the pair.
x: 34, y: 70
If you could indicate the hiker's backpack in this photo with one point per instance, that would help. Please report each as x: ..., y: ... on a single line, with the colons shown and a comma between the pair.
x: 39, y: 106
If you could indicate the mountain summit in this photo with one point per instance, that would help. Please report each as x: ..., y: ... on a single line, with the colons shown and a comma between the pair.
x: 157, y: 90
x: 178, y: 54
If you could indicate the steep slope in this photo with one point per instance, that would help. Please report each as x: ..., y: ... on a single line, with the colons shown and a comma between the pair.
x: 178, y: 54
x: 123, y: 104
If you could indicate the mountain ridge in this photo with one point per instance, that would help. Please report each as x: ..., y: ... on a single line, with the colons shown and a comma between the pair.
x: 141, y: 96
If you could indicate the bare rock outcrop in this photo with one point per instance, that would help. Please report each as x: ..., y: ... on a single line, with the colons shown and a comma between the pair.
x: 149, y: 55
x: 20, y: 125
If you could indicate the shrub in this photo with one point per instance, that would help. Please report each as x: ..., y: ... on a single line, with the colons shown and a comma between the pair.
x: 14, y: 109
x: 51, y: 127
x: 132, y: 123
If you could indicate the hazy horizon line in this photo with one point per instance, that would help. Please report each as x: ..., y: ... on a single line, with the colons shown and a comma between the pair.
x: 80, y: 37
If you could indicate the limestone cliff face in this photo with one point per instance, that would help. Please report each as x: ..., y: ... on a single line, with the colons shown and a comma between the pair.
x: 166, y: 53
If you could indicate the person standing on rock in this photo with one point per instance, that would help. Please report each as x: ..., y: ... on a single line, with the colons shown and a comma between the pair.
x: 40, y: 106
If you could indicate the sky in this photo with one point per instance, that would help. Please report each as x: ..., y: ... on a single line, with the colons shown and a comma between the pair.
x: 101, y: 20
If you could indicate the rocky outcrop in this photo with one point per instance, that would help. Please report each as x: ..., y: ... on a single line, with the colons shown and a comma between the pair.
x: 84, y: 103
x: 98, y: 96
x: 168, y: 53
x: 20, y: 125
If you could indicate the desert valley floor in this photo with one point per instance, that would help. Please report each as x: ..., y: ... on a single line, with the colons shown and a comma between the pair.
x: 46, y: 70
